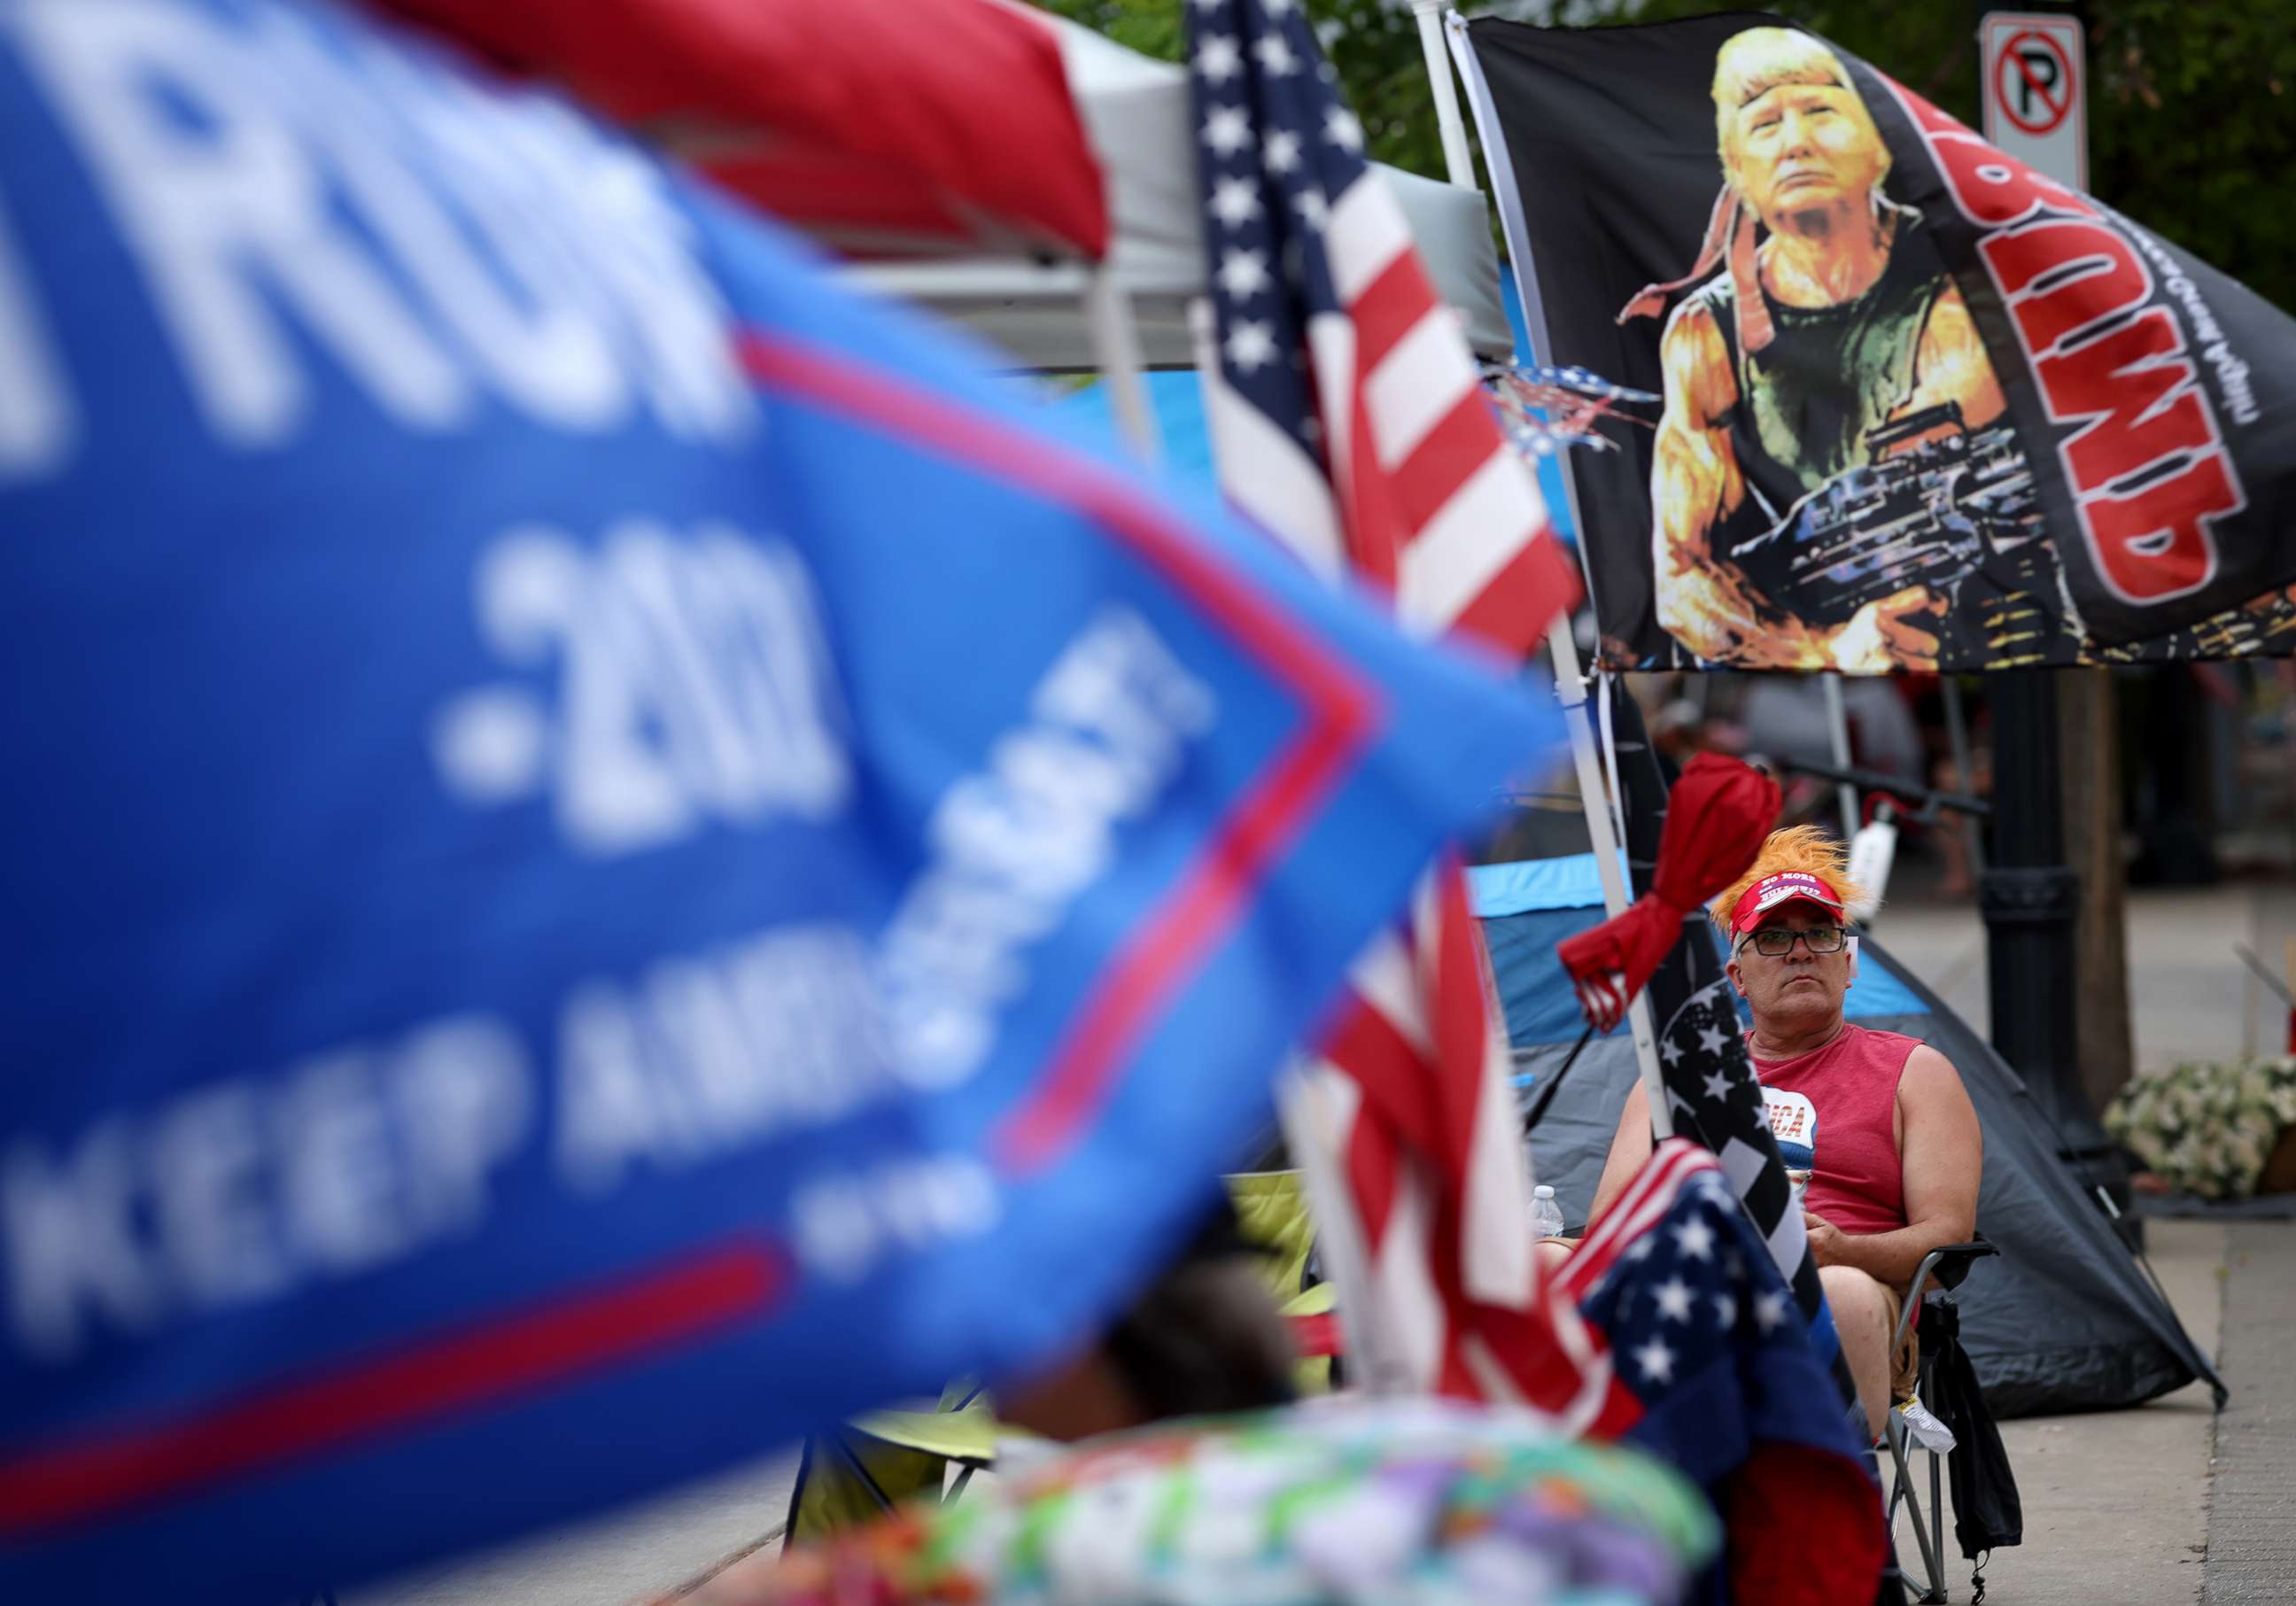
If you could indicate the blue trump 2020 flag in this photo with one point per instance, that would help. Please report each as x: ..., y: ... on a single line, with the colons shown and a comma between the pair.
x: 610, y: 853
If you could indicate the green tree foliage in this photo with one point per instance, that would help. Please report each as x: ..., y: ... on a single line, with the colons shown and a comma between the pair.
x: 1150, y: 27
x: 2193, y: 130
x: 2191, y: 105
x: 2192, y: 110
x: 1374, y: 42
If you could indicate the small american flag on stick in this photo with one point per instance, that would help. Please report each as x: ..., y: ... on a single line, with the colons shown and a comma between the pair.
x: 1348, y: 419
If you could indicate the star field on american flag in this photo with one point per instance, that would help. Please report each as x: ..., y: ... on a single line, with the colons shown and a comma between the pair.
x: 1673, y: 1303
x: 1701, y: 1032
x: 1268, y: 193
x: 1704, y: 1334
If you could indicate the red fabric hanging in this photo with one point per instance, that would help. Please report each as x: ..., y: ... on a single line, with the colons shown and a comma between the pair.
x: 1717, y: 817
x: 886, y: 130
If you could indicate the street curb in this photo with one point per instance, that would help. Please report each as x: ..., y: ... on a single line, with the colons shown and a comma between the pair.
x: 2251, y: 1535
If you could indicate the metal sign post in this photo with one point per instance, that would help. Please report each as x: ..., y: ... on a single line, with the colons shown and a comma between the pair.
x: 2034, y: 72
x: 2036, y: 88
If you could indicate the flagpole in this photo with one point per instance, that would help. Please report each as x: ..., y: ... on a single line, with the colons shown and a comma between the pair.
x: 1837, y: 732
x: 1448, y: 118
x: 1570, y: 691
x: 1116, y: 346
x: 1562, y: 648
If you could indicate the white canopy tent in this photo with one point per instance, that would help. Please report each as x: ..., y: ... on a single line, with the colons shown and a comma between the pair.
x: 1059, y: 315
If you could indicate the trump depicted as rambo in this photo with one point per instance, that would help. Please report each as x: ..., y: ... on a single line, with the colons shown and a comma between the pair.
x: 1832, y: 317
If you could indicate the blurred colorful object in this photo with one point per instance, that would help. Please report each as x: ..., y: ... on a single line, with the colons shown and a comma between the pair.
x: 1361, y: 1503
x: 1728, y: 1385
x: 618, y: 855
x: 1546, y: 410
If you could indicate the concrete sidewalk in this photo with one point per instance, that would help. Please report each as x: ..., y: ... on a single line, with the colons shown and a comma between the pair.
x: 640, y: 1551
x: 2116, y: 1502
x: 2166, y: 1502
x: 2190, y: 997
x: 2171, y: 1503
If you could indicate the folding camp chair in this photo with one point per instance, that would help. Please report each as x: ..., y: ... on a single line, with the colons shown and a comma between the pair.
x: 874, y: 1463
x: 1271, y: 1214
x: 1948, y: 1267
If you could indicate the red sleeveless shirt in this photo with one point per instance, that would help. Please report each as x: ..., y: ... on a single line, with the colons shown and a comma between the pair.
x: 1841, y: 1100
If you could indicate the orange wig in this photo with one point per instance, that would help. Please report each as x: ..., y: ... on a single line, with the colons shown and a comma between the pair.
x: 1803, y: 848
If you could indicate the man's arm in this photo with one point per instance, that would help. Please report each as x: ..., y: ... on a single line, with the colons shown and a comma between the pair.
x: 1630, y: 1151
x: 1942, y: 1154
x: 1950, y: 365
x: 1703, y: 602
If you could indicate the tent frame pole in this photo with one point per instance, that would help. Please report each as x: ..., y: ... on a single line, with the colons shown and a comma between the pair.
x: 1837, y: 732
x: 1563, y: 648
x: 1116, y: 346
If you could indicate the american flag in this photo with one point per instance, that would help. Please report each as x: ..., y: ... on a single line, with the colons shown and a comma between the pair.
x: 1711, y: 1085
x: 1726, y: 1384
x: 1348, y: 419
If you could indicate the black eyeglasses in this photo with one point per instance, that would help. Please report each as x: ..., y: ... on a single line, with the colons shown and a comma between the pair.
x: 1777, y: 942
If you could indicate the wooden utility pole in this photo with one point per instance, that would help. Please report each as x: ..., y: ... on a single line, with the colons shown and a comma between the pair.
x: 2090, y: 760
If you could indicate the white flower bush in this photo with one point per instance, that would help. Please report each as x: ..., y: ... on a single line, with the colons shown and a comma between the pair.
x: 2207, y: 1128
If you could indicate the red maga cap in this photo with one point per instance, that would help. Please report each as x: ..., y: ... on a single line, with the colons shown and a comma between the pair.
x: 1786, y: 887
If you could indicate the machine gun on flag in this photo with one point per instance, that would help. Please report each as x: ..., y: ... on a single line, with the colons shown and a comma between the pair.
x: 1939, y: 506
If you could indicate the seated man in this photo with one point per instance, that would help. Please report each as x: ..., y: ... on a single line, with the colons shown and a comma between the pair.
x: 1895, y: 1140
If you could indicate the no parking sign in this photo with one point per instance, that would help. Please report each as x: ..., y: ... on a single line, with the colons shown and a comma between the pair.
x: 2035, y: 87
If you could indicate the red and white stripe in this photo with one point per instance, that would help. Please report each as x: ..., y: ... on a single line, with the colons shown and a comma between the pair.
x: 1425, y: 499
x: 1642, y: 1207
x: 1437, y: 506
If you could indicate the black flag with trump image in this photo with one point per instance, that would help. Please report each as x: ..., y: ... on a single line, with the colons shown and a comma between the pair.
x: 1923, y: 407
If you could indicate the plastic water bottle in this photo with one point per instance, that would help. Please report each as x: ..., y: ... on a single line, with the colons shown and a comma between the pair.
x: 1545, y: 1215
x: 1872, y: 851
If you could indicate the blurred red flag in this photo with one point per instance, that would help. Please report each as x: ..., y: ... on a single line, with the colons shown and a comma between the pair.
x: 885, y: 130
x: 1718, y: 817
